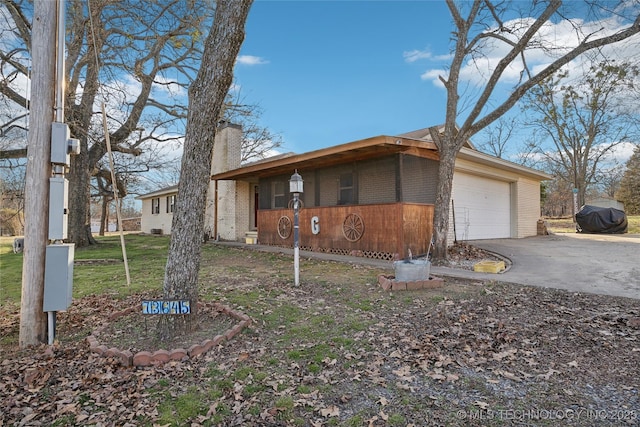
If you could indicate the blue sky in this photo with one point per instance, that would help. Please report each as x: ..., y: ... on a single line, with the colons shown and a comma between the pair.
x: 330, y: 72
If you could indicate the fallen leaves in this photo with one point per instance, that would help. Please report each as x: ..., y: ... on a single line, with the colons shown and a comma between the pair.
x: 413, y: 361
x: 482, y: 405
x: 331, y: 411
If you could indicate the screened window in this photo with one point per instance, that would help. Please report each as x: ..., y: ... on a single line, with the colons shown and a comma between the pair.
x: 278, y: 195
x: 346, y: 189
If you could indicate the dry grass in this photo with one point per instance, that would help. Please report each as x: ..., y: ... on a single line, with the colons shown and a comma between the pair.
x: 566, y: 225
x: 340, y: 351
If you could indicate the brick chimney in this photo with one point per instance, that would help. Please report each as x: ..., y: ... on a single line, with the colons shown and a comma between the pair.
x: 221, y: 220
x: 227, y: 147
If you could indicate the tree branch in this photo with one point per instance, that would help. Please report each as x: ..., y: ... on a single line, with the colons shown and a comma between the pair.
x: 519, y: 92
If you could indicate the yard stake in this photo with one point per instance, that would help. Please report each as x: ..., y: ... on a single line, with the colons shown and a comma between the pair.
x: 115, y: 193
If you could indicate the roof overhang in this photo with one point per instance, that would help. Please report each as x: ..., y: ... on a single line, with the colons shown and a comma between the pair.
x: 375, y: 147
x: 488, y: 160
x: 163, y: 191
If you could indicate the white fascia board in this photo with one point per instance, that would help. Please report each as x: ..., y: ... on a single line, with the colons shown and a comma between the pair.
x: 488, y: 160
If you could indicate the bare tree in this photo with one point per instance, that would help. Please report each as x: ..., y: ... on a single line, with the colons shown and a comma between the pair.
x: 128, y: 171
x: 609, y: 179
x: 497, y: 137
x: 477, y: 24
x: 629, y: 191
x: 12, y: 170
x: 206, y: 99
x: 13, y: 130
x: 12, y: 196
x: 583, y: 119
x: 136, y: 56
x: 258, y: 142
x: 558, y: 200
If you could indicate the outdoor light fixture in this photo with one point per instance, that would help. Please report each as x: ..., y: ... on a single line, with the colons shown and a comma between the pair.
x: 296, y: 183
x: 295, y: 187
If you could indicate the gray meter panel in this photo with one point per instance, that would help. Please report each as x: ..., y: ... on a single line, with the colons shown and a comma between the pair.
x: 60, y: 143
x: 58, y: 211
x: 58, y: 277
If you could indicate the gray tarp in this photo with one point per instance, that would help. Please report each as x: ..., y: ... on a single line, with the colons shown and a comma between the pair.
x: 593, y: 219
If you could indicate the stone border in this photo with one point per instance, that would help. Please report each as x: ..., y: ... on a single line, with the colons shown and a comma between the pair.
x: 390, y: 283
x: 146, y: 358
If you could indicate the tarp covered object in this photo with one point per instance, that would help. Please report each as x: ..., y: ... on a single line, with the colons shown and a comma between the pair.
x: 593, y: 219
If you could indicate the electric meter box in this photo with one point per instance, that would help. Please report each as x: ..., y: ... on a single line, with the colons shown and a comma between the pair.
x: 58, y: 211
x: 60, y: 144
x: 58, y: 277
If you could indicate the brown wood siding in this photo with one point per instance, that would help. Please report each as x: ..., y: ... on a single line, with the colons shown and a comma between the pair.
x: 389, y: 229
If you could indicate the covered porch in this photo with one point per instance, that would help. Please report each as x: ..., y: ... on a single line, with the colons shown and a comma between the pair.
x: 381, y: 231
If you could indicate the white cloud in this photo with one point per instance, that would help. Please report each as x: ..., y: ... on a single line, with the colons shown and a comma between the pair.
x: 617, y: 156
x: 434, y: 76
x: 169, y: 87
x: 415, y: 55
x: 552, y: 41
x: 622, y: 152
x: 251, y: 60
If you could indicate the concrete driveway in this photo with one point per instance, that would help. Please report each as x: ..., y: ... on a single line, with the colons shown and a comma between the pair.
x: 601, y: 264
x: 593, y: 263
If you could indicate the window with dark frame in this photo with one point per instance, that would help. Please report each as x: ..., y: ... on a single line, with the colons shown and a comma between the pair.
x: 155, y: 205
x: 345, y: 193
x: 171, y: 203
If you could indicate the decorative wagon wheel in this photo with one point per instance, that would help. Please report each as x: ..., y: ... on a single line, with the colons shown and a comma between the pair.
x: 353, y: 227
x: 284, y: 227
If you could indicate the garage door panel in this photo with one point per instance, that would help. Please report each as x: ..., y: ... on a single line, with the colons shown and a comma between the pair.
x: 482, y: 207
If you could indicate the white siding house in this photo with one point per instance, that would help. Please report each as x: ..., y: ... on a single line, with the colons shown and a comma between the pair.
x: 227, y: 201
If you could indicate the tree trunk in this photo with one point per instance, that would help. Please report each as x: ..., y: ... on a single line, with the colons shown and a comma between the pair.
x: 33, y: 320
x: 206, y: 97
x: 480, y: 111
x: 443, y: 204
x: 104, y: 216
x: 79, y: 199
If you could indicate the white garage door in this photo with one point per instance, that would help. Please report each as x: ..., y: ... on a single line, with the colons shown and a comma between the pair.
x: 482, y: 207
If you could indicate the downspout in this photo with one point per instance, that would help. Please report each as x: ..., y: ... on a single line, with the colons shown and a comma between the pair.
x: 215, y: 211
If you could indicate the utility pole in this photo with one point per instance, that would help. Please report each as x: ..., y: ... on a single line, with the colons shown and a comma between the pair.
x: 33, y: 320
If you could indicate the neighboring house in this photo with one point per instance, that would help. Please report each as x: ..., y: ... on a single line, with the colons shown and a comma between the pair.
x: 375, y: 197
x: 605, y: 202
x: 157, y: 210
x: 222, y: 218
